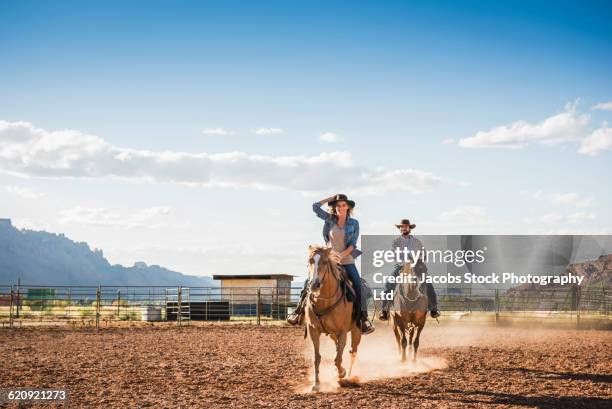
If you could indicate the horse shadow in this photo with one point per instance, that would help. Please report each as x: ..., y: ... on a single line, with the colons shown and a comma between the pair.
x: 477, y: 397
x: 570, y: 376
x: 484, y: 397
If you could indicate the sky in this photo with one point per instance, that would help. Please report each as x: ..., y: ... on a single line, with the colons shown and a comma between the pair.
x: 196, y: 135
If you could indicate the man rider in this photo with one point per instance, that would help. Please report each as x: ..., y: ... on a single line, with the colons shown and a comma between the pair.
x: 406, y: 240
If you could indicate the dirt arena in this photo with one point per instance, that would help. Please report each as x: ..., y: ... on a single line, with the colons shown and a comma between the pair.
x: 248, y: 367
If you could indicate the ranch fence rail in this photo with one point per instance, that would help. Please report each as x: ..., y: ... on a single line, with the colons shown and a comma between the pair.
x: 96, y: 305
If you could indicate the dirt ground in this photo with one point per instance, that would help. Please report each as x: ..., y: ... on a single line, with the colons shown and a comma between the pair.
x: 270, y: 366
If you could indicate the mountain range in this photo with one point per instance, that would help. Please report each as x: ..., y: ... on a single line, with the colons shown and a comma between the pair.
x: 42, y: 258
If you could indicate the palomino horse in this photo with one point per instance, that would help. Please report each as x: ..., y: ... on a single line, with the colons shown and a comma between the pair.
x: 328, y: 311
x: 409, y: 312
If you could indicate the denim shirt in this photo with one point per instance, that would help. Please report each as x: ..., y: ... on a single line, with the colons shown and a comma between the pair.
x: 351, y: 228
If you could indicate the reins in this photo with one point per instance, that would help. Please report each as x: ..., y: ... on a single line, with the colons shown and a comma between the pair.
x: 329, y: 309
x: 419, y: 294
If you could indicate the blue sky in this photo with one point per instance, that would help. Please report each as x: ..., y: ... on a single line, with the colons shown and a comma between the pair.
x: 400, y: 85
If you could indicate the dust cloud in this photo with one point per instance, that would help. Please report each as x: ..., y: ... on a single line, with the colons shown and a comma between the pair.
x: 377, y: 358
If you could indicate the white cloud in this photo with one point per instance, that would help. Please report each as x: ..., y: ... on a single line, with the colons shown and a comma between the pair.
x: 600, y: 140
x: 572, y: 199
x: 465, y: 220
x: 580, y: 217
x: 398, y: 180
x: 99, y: 216
x: 331, y: 137
x: 268, y: 131
x: 567, y: 126
x: 604, y: 106
x: 217, y: 131
x: 561, y: 219
x: 448, y: 141
x: 30, y: 151
x: 465, y: 214
x: 24, y: 192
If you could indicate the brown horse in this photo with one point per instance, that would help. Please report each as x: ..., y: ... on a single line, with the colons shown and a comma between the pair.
x: 409, y: 312
x: 328, y: 311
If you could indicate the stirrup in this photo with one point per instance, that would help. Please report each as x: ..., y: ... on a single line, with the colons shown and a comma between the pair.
x: 295, y: 318
x: 366, y: 327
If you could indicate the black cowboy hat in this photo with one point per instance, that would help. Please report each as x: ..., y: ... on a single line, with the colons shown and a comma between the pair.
x: 341, y: 198
x: 405, y: 221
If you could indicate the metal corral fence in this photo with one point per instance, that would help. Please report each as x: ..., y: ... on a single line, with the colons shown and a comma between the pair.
x: 93, y: 305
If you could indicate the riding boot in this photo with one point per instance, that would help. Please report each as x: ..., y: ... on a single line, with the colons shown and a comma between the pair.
x: 389, y: 288
x: 384, y: 310
x: 297, y: 316
x: 432, y: 300
x: 366, y: 325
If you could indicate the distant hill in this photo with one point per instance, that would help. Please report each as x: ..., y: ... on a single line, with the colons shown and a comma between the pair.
x: 597, y: 274
x: 41, y: 258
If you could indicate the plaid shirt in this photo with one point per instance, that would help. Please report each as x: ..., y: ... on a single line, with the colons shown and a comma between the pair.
x: 411, y: 243
x: 351, y: 228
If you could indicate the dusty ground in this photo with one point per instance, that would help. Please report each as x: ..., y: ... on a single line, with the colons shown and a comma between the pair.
x: 250, y: 366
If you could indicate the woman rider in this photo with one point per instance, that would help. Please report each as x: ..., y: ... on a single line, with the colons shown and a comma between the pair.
x: 340, y: 231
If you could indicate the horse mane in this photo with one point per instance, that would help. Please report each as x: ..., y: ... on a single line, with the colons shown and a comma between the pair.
x: 326, y: 251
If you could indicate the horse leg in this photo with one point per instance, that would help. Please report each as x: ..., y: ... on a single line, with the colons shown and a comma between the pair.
x: 314, y: 337
x: 355, y: 340
x: 404, y: 341
x: 416, y: 341
x: 398, y: 338
x: 411, y: 334
x: 340, y: 343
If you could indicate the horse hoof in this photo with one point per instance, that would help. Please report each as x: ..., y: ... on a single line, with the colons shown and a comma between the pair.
x: 315, y: 388
x: 341, y: 373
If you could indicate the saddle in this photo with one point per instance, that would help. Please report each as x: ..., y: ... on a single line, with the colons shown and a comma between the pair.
x: 350, y: 294
x: 347, y: 286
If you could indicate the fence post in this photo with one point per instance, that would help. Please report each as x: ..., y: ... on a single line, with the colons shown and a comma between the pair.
x: 69, y: 302
x: 578, y: 296
x: 98, y: 307
x: 179, y: 305
x: 496, y: 305
x: 11, y: 309
x: 118, y: 303
x: 18, y: 298
x: 258, y: 306
x: 605, y: 302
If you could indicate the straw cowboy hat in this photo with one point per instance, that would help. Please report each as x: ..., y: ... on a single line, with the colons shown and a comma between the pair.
x: 405, y: 221
x: 341, y: 198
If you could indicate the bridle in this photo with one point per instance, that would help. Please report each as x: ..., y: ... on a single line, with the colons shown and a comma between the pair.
x: 416, y: 287
x: 337, y: 294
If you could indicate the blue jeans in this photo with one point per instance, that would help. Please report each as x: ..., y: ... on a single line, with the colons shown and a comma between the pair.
x: 353, y: 274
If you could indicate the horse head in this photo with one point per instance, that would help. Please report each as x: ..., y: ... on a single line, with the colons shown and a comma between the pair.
x: 320, y: 262
x: 410, y: 282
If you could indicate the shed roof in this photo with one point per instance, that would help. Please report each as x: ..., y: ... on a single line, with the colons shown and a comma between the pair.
x: 252, y: 276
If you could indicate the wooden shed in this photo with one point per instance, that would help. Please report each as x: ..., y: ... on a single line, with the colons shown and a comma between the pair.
x: 241, y: 292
